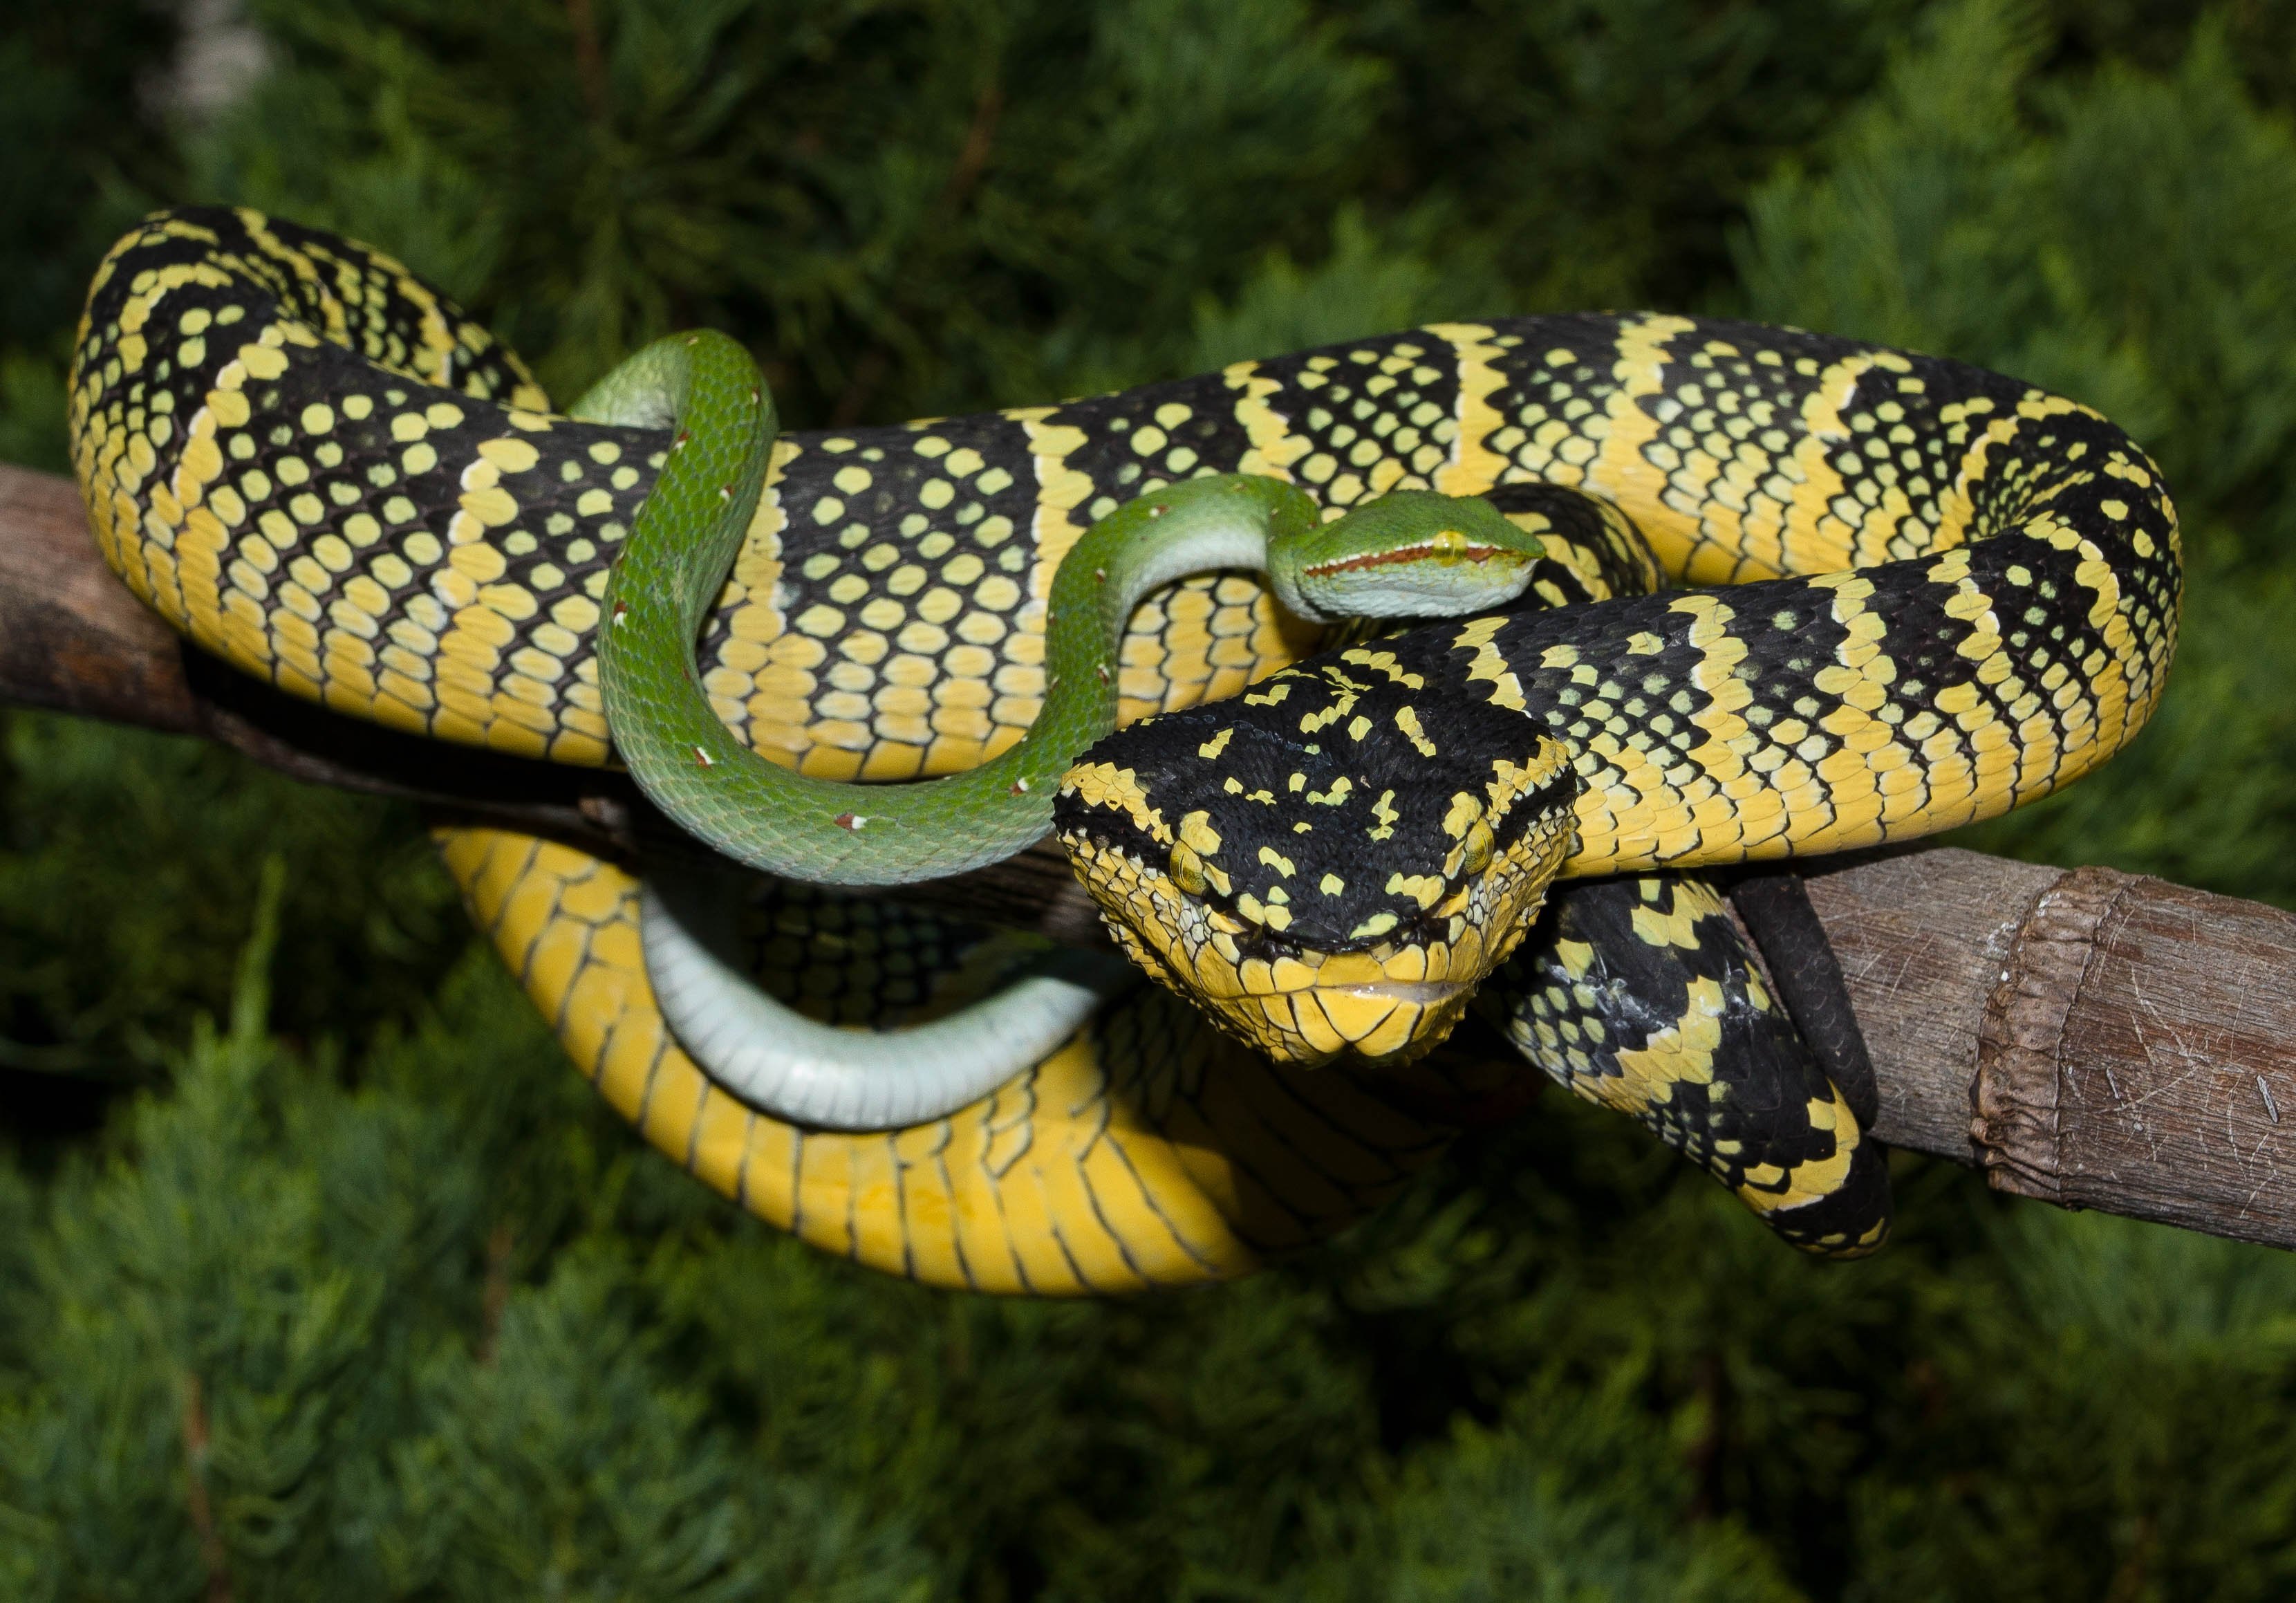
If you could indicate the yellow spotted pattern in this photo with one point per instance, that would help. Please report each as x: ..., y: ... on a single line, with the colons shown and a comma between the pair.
x: 288, y: 449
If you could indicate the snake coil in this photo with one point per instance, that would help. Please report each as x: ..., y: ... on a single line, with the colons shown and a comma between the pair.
x: 1948, y: 594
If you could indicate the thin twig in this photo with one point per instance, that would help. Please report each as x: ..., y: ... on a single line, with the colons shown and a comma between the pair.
x: 195, y: 1475
x: 589, y: 60
x: 495, y: 1297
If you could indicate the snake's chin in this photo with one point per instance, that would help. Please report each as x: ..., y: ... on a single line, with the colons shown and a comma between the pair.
x: 1380, y: 1005
x: 1315, y: 1008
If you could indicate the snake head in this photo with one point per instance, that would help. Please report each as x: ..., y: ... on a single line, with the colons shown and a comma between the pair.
x: 1410, y: 553
x: 1325, y: 865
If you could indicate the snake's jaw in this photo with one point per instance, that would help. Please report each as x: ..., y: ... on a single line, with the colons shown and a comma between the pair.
x: 1244, y: 858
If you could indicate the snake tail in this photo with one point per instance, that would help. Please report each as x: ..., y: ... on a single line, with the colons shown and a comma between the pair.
x: 1639, y: 994
x: 1806, y: 972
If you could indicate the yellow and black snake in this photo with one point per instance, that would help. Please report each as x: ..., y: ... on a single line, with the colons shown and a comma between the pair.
x: 1957, y: 593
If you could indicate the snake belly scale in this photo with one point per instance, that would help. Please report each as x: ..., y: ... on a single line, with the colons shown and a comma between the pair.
x: 313, y: 465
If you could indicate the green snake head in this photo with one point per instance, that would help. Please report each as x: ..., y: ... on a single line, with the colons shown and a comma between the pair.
x: 1410, y: 553
x: 1317, y: 899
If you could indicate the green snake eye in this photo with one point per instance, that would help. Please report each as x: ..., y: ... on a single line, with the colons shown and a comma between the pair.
x: 1187, y: 870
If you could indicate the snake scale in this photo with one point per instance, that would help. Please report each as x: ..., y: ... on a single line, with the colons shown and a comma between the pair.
x: 1950, y: 594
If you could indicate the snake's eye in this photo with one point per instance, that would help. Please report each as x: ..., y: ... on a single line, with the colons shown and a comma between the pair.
x: 1187, y: 870
x: 1475, y: 850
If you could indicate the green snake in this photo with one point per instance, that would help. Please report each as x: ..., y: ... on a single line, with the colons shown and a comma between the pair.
x: 1949, y: 594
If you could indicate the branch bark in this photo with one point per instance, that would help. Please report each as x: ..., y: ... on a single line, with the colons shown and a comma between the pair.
x: 2095, y: 1038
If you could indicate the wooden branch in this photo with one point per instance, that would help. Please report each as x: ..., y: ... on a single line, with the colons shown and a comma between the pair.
x: 2098, y: 1038
x: 2092, y: 1038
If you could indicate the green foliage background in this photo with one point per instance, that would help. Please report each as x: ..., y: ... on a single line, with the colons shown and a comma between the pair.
x: 320, y: 1275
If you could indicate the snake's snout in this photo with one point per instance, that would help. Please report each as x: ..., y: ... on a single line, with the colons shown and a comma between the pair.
x: 1383, y: 1005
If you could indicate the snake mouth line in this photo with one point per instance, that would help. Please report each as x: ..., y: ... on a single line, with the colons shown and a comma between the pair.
x: 1418, y: 551
x: 1423, y: 993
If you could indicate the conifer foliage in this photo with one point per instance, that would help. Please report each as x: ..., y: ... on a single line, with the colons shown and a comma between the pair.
x: 320, y: 1275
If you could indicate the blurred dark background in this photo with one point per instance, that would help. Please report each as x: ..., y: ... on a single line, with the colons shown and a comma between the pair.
x: 321, y: 1276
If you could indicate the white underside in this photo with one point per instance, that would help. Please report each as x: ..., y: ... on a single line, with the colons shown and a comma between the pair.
x: 783, y: 1063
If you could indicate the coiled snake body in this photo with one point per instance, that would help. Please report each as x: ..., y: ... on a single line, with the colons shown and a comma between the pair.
x: 1953, y: 594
